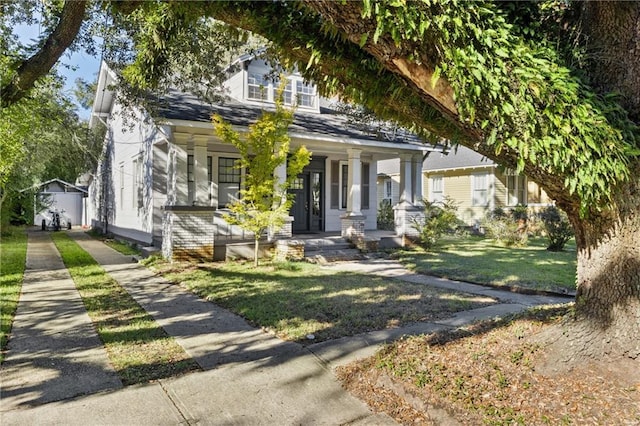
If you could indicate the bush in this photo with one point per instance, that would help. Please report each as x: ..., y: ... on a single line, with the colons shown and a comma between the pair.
x: 507, y: 229
x: 557, y: 227
x: 385, y: 220
x: 439, y: 218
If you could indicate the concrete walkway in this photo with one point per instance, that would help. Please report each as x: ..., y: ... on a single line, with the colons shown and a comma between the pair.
x: 249, y: 377
x: 54, y: 352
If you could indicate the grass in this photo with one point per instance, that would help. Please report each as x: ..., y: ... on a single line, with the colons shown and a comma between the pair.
x: 297, y: 299
x: 120, y: 246
x: 13, y: 256
x: 138, y: 348
x: 480, y: 260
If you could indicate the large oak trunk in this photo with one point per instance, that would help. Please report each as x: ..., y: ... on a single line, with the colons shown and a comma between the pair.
x: 606, y: 322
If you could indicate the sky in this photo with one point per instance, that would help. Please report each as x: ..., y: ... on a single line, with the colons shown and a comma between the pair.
x: 79, y: 64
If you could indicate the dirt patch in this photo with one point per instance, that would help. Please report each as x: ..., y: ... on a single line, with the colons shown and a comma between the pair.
x: 487, y: 375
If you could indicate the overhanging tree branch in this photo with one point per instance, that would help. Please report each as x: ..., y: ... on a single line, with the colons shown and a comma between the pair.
x: 38, y: 65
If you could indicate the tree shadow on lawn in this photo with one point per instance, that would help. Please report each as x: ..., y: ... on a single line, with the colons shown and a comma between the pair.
x: 529, y: 268
x: 295, y: 304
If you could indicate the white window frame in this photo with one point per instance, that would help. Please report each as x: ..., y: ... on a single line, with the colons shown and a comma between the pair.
x: 191, y: 177
x: 260, y: 84
x: 304, y: 91
x: 480, y: 192
x: 121, y: 185
x: 436, y: 188
x: 136, y: 181
x: 387, y: 191
x: 225, y: 185
x: 516, y: 188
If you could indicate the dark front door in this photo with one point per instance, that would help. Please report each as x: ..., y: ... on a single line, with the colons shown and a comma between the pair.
x: 308, y: 202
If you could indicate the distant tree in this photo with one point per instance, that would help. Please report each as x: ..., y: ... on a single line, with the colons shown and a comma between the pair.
x: 264, y: 202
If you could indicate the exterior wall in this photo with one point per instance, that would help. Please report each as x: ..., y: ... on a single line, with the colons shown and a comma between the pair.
x: 458, y: 186
x: 122, y: 192
x: 188, y: 234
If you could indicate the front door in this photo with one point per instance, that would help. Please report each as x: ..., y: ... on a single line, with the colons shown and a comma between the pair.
x: 308, y: 202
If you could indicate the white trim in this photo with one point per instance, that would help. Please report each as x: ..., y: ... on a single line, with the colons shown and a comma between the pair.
x: 449, y: 169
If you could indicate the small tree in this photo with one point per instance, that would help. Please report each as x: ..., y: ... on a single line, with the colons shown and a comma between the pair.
x: 557, y: 227
x: 439, y: 218
x: 263, y: 202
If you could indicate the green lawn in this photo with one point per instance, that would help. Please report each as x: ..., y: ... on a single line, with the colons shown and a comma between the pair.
x: 297, y: 299
x: 480, y: 260
x: 13, y: 256
x: 139, y: 349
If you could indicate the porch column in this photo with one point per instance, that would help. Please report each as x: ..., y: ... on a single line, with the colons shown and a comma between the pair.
x: 354, y: 183
x: 180, y: 188
x: 408, y: 210
x: 406, y: 187
x: 417, y: 177
x: 353, y: 219
x: 201, y: 173
x: 280, y: 176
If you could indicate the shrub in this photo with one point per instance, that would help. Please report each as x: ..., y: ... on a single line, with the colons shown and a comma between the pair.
x: 557, y: 227
x: 385, y: 220
x: 439, y: 218
x: 507, y: 229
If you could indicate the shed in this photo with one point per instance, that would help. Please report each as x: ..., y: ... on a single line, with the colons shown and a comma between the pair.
x: 57, y: 194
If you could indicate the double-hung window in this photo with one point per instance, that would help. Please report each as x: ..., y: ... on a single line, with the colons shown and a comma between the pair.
x: 257, y: 86
x: 228, y: 181
x: 480, y: 189
x: 436, y: 188
x: 516, y: 189
x: 306, y: 94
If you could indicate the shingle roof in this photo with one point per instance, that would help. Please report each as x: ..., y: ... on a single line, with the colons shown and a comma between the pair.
x: 463, y: 157
x: 183, y: 106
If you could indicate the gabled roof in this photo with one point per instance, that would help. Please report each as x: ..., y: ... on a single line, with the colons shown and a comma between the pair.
x: 59, y: 181
x: 457, y: 158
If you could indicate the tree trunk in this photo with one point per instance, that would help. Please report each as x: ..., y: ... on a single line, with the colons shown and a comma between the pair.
x: 606, y: 322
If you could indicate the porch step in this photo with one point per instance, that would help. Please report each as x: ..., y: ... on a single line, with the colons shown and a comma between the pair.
x: 329, y: 249
x: 327, y: 256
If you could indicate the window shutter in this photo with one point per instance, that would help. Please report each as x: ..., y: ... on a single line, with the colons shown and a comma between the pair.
x: 364, y: 194
x: 335, y: 184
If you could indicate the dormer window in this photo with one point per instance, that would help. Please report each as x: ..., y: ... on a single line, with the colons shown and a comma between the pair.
x: 264, y: 89
x: 306, y: 94
x: 257, y: 86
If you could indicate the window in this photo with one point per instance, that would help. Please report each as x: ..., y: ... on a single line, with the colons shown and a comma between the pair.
x: 516, y: 189
x: 191, y: 181
x: 228, y: 181
x: 480, y: 189
x: 210, y: 176
x: 387, y: 194
x: 257, y: 86
x: 437, y: 188
x: 364, y: 193
x: 306, y: 94
x: 121, y: 185
x: 344, y: 187
x: 287, y: 94
x: 335, y: 184
x: 138, y: 189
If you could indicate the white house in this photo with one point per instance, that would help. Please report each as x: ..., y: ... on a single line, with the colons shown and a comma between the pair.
x: 165, y: 180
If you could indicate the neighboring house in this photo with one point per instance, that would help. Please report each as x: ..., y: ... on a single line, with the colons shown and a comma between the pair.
x: 166, y: 180
x: 475, y: 183
x: 56, y: 194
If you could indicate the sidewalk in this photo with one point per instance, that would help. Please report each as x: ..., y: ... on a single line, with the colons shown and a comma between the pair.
x: 250, y: 377
x: 54, y: 352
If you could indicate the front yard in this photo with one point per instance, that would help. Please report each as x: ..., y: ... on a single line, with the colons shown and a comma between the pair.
x: 481, y: 260
x: 295, y: 300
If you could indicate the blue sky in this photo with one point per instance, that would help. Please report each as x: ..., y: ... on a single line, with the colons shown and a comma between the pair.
x: 78, y: 64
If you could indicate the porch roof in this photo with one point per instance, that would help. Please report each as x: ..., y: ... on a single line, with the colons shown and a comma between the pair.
x: 185, y: 107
